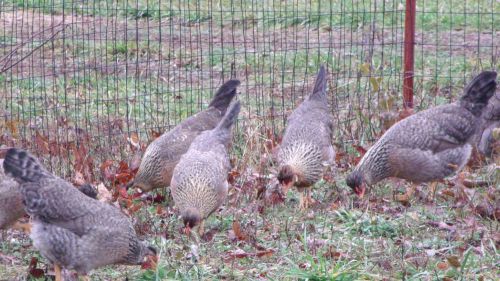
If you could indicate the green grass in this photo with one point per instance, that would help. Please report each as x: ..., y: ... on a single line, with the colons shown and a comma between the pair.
x: 449, y: 14
x: 340, y: 239
x: 378, y: 240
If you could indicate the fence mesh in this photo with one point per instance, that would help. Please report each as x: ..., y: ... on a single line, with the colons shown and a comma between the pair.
x: 81, y: 81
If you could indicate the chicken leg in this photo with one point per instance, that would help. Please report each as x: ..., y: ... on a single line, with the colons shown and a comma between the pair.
x: 57, y: 272
x: 201, y: 228
x: 306, y: 199
x: 302, y: 200
x: 432, y: 191
x: 405, y: 198
x: 25, y: 227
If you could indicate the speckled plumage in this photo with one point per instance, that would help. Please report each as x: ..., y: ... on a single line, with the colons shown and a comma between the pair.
x: 11, y: 200
x: 429, y: 145
x: 199, y: 183
x: 69, y: 228
x: 307, y: 142
x: 163, y: 154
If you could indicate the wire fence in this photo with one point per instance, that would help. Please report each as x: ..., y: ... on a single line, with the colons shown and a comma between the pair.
x: 85, y: 81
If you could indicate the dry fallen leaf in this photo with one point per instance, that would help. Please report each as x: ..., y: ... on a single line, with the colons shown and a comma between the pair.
x: 331, y: 253
x: 237, y: 231
x: 42, y: 143
x: 78, y: 179
x: 33, y: 270
x: 404, y: 199
x: 239, y: 254
x: 442, y: 265
x: 155, y: 134
x: 359, y: 149
x: 453, y: 261
x: 106, y: 170
x: 405, y: 113
x: 442, y: 225
x: 134, y: 140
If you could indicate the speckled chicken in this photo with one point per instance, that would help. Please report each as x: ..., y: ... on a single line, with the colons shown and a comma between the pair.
x: 199, y: 183
x: 490, y: 122
x: 163, y: 154
x: 429, y: 145
x: 71, y: 229
x: 306, y: 149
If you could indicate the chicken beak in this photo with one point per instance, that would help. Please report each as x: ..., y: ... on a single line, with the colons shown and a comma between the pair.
x: 360, y: 191
x: 154, y: 262
x: 150, y: 262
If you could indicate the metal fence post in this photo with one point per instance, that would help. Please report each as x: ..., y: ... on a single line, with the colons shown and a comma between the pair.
x: 409, y: 51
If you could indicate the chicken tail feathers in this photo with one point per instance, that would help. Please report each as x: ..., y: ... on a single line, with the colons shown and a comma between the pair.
x: 23, y: 166
x: 230, y: 117
x: 478, y: 92
x: 225, y: 95
x: 319, y: 92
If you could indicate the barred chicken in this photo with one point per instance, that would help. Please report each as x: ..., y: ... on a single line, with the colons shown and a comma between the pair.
x: 70, y: 229
x: 429, y: 145
x: 199, y: 183
x: 306, y: 149
x: 490, y: 123
x: 163, y: 154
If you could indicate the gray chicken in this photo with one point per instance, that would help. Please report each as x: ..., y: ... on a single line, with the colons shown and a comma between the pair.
x: 199, y: 183
x: 306, y: 149
x: 71, y: 229
x: 429, y: 145
x: 490, y: 122
x: 163, y: 154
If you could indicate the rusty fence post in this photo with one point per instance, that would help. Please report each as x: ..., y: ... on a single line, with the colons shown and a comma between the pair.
x: 409, y: 51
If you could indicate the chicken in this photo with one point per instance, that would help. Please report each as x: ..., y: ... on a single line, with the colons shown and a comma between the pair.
x: 199, y: 183
x: 429, y: 145
x: 11, y: 201
x: 490, y: 123
x: 306, y: 149
x: 163, y: 154
x: 71, y: 229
